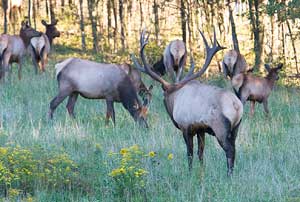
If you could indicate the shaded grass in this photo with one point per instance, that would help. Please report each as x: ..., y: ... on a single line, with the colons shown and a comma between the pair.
x: 267, y: 162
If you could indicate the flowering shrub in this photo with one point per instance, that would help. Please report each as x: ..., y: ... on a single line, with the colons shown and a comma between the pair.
x: 130, y: 174
x: 22, y: 169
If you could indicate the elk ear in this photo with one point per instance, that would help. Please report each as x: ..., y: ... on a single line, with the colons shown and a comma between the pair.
x: 44, y: 23
x: 279, y: 66
x: 267, y: 67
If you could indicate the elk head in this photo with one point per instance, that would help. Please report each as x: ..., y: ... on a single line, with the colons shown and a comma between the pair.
x: 51, y: 30
x: 233, y: 63
x: 273, y: 72
x: 27, y: 32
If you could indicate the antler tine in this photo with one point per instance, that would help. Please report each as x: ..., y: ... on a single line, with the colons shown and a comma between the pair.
x: 191, y: 71
x: 143, y: 42
x: 136, y: 63
x: 210, y: 52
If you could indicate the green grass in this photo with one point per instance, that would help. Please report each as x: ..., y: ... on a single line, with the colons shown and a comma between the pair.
x: 267, y: 162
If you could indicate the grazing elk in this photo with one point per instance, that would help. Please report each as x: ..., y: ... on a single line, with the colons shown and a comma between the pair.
x: 97, y: 81
x: 13, y: 48
x: 256, y: 89
x: 41, y: 46
x: 173, y: 59
x: 196, y: 108
x: 233, y: 63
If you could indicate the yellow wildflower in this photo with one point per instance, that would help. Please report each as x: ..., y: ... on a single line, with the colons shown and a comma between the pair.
x: 123, y: 151
x: 122, y: 170
x: 152, y: 154
x: 170, y: 156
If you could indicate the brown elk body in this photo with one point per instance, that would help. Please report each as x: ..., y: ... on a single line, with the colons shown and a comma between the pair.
x: 233, y: 63
x: 13, y: 48
x: 173, y: 59
x: 40, y: 47
x: 197, y: 108
x: 97, y: 81
x: 256, y: 89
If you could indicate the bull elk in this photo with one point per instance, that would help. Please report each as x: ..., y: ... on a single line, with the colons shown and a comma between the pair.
x: 196, y: 108
x: 98, y: 81
x: 13, y: 48
x: 233, y: 64
x: 256, y: 89
x: 40, y: 46
x: 173, y: 59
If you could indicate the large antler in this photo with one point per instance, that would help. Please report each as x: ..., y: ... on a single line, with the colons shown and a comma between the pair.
x: 147, y: 69
x: 210, y: 52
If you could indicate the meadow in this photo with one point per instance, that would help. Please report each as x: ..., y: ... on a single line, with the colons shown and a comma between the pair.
x: 83, y: 157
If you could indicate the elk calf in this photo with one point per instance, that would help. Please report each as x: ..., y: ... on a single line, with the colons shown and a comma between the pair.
x: 256, y: 89
x: 13, y: 48
x: 40, y: 46
x: 173, y: 59
x: 197, y: 108
x: 233, y: 64
x: 97, y: 81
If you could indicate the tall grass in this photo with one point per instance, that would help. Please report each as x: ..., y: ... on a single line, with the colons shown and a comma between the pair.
x: 267, y: 162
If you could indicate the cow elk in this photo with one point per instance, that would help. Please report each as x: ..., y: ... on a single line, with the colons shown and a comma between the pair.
x: 98, y: 81
x: 196, y: 108
x: 41, y: 46
x: 233, y: 64
x: 13, y: 48
x: 173, y: 60
x: 256, y: 89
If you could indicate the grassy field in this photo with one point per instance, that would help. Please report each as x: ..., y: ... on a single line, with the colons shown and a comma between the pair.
x: 267, y: 162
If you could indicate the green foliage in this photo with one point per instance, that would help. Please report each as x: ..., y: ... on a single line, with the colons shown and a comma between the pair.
x: 284, y: 12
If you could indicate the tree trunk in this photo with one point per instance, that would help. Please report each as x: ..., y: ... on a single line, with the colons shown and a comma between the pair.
x: 62, y: 6
x: 4, y: 7
x: 293, y: 44
x: 233, y: 30
x: 257, y: 31
x: 121, y: 15
x: 83, y: 45
x: 91, y: 6
x: 29, y: 12
x: 156, y: 20
x: 109, y: 21
x: 34, y: 13
x: 183, y: 20
x: 47, y: 8
x: 114, y: 3
x: 141, y: 15
x: 52, y: 13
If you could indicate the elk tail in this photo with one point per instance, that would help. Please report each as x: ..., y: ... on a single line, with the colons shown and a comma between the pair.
x: 60, y: 66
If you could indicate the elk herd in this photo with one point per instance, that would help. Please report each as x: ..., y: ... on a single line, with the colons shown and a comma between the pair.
x: 195, y: 108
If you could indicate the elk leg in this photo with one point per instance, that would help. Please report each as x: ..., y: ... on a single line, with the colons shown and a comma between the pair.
x: 71, y: 104
x: 201, y: 144
x: 35, y: 64
x: 20, y: 70
x: 265, y: 103
x: 56, y: 101
x: 252, y: 106
x: 110, y: 112
x: 188, y: 138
